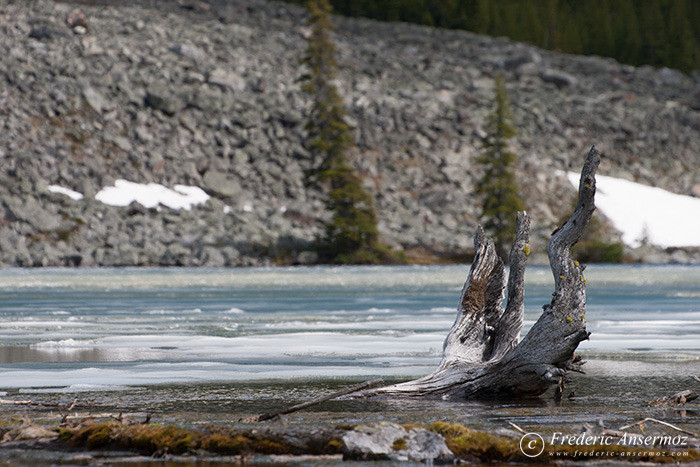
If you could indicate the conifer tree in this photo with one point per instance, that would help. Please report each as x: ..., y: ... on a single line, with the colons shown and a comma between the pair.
x: 497, y: 187
x: 351, y: 236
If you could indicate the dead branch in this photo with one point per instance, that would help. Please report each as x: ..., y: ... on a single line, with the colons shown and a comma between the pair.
x: 65, y: 416
x: 315, y: 401
x: 641, y: 423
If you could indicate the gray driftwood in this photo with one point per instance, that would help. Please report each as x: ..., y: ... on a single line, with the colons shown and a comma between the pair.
x: 676, y: 400
x: 481, y: 354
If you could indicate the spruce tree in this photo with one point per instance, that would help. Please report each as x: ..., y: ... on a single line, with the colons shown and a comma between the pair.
x: 351, y: 236
x: 497, y: 187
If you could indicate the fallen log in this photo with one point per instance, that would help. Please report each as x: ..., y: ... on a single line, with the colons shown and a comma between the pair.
x: 481, y: 354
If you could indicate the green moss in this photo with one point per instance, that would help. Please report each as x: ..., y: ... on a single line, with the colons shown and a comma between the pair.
x: 153, y: 438
x: 467, y: 443
x: 222, y: 444
x: 449, y: 430
x: 65, y: 434
x: 399, y: 445
x: 146, y: 438
x: 266, y: 446
x: 7, y: 423
x: 64, y: 234
x: 334, y: 446
x: 98, y: 437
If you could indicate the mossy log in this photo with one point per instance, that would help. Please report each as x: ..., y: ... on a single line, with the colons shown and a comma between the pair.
x: 481, y: 354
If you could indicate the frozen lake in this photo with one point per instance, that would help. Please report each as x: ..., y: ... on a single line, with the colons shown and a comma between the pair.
x: 65, y: 330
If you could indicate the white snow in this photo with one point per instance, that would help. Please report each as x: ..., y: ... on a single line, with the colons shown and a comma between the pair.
x: 643, y: 212
x: 151, y: 195
x: 66, y: 191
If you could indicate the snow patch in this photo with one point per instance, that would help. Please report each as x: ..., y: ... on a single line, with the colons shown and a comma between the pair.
x: 66, y: 191
x: 645, y: 213
x: 123, y: 193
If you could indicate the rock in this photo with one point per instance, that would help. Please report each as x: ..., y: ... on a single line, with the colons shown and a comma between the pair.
x: 226, y: 79
x: 32, y: 213
x: 389, y: 441
x: 307, y: 257
x: 669, y: 77
x: 76, y: 19
x: 695, y: 190
x: 558, y: 77
x: 29, y: 432
x: 527, y: 57
x: 44, y: 32
x: 221, y: 184
x: 95, y: 100
x: 159, y: 97
x: 189, y: 50
x: 206, y: 100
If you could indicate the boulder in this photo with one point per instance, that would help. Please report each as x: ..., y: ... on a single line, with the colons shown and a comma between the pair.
x: 390, y: 441
x: 557, y: 77
x: 95, y: 99
x: 226, y: 79
x: 221, y: 184
x: 159, y: 97
x: 31, y: 212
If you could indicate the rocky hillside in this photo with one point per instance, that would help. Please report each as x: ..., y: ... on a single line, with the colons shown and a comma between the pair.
x: 206, y: 95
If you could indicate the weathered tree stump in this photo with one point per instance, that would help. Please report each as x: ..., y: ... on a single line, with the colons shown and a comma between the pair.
x: 481, y: 354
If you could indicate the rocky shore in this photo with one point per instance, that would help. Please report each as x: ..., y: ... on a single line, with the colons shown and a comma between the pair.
x: 207, y: 95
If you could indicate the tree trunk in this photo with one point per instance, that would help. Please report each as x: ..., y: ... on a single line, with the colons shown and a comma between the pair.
x: 481, y: 354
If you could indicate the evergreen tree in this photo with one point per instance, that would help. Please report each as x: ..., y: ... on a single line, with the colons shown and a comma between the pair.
x: 627, y: 35
x: 497, y: 187
x: 680, y: 36
x: 352, y: 235
x: 655, y: 32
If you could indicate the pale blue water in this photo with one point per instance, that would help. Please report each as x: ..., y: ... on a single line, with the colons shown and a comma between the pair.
x: 71, y: 330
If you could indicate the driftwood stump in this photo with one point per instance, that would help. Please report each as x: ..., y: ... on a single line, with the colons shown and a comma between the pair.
x: 481, y: 354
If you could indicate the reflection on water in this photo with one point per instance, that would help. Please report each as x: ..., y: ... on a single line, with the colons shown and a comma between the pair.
x: 28, y: 354
x: 615, y: 400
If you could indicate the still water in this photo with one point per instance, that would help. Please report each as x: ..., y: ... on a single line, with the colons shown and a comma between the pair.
x: 213, y: 344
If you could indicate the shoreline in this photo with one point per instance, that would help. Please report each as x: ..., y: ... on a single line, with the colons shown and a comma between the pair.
x: 126, y: 440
